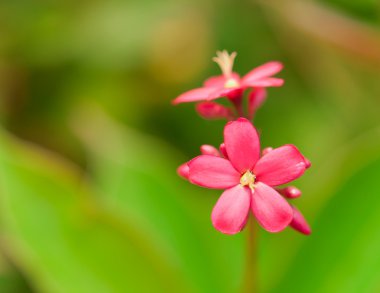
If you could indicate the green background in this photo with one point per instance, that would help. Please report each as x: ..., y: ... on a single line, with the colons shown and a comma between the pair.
x: 89, y: 144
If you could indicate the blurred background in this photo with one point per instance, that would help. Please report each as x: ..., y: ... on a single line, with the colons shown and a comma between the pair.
x: 89, y: 144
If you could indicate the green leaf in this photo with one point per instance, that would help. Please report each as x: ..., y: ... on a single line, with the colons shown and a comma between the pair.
x: 342, y: 254
x: 62, y: 239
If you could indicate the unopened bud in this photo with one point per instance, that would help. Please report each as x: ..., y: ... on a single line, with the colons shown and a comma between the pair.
x: 212, y: 110
x: 255, y: 99
x: 266, y: 150
x: 290, y: 192
x: 223, y: 150
x: 209, y: 150
x: 299, y: 223
x: 307, y: 163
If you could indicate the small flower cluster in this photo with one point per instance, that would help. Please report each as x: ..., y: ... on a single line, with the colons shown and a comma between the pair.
x: 251, y: 178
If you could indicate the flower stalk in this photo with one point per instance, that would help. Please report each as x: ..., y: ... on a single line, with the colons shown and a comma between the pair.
x: 250, y: 281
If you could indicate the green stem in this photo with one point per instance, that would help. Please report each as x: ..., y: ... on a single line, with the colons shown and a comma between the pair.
x: 250, y: 277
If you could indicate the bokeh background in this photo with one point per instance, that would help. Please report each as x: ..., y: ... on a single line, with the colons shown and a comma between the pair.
x: 89, y: 144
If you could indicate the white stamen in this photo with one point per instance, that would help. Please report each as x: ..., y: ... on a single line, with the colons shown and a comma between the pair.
x: 225, y: 62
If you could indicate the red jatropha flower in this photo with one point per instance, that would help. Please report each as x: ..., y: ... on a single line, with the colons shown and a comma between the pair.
x: 229, y: 84
x: 248, y: 179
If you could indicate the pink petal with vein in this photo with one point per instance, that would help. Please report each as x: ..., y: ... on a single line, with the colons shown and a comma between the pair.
x: 230, y: 213
x: 242, y: 144
x: 280, y: 166
x: 212, y: 172
x: 271, y: 210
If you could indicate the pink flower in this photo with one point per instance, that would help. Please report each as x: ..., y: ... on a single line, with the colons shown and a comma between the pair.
x: 229, y: 84
x: 248, y: 179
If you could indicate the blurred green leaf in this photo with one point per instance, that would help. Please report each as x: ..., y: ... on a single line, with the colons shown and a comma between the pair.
x: 342, y: 254
x: 62, y: 239
x: 12, y: 282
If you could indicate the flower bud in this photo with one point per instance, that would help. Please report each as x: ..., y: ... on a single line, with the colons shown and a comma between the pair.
x: 255, y: 99
x: 299, y: 223
x: 307, y: 163
x: 290, y: 192
x: 212, y: 110
x: 223, y: 150
x: 209, y: 150
x: 266, y: 150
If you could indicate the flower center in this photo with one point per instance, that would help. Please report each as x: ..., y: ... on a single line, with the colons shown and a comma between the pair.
x: 231, y: 83
x: 248, y: 178
x: 226, y: 63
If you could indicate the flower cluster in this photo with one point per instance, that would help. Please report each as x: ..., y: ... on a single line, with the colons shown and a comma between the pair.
x: 251, y: 178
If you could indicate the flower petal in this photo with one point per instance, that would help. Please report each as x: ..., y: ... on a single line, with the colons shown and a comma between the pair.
x: 271, y: 210
x: 183, y: 171
x: 230, y: 213
x: 231, y: 93
x: 265, y: 82
x: 212, y: 172
x: 265, y: 70
x: 299, y: 223
x: 198, y: 94
x: 215, y: 81
x: 280, y: 166
x: 242, y: 144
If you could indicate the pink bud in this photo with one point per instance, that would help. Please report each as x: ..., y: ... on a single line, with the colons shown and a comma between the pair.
x: 290, y: 192
x: 299, y: 223
x: 211, y: 110
x: 183, y: 171
x: 209, y: 150
x: 266, y: 150
x: 223, y: 150
x: 307, y: 163
x: 255, y: 99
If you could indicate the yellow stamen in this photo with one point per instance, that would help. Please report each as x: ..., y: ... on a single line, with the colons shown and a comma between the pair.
x: 248, y: 178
